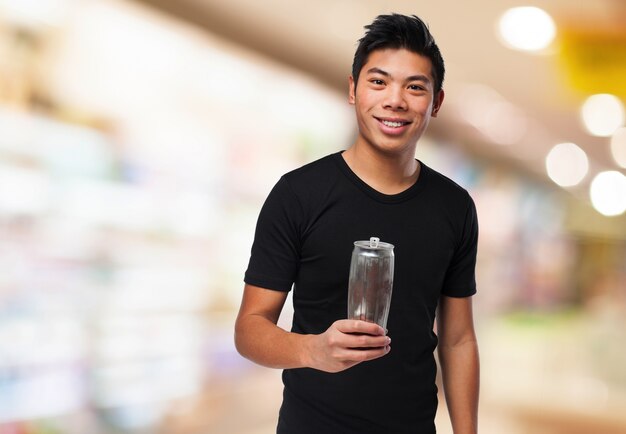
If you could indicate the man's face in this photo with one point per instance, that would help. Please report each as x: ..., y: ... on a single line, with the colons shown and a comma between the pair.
x: 394, y: 100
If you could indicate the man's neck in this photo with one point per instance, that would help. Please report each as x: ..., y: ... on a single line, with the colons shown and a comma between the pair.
x: 388, y: 174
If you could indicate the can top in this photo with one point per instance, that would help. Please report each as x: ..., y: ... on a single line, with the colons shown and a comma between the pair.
x: 374, y: 243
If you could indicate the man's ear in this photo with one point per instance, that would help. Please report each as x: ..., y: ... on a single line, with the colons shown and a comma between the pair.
x: 437, y: 103
x: 351, y: 90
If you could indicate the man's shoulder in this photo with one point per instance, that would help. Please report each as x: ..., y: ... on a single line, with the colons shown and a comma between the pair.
x: 314, y: 172
x: 442, y: 184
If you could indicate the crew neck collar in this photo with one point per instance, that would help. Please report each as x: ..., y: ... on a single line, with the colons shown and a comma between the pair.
x: 377, y: 195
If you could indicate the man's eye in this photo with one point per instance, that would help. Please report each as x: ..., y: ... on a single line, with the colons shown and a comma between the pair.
x: 415, y: 87
x: 377, y: 82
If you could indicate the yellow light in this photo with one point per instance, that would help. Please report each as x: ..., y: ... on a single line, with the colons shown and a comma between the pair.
x: 592, y: 57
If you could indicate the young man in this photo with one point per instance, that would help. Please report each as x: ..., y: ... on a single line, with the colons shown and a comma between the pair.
x: 348, y: 376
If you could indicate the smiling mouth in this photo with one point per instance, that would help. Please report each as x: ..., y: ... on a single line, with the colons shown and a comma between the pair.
x: 393, y: 124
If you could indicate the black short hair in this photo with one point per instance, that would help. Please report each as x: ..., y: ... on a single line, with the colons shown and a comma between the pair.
x: 399, y: 31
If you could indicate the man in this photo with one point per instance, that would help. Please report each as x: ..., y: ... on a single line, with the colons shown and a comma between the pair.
x: 346, y: 376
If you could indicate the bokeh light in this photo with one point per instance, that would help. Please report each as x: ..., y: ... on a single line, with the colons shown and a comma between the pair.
x: 567, y: 164
x: 526, y: 28
x: 602, y: 114
x: 618, y: 146
x: 608, y: 193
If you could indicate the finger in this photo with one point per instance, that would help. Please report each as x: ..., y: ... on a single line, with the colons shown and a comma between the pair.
x: 358, y: 326
x: 365, y: 355
x: 366, y: 341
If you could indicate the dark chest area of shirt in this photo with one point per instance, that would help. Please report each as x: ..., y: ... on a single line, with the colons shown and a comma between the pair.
x: 423, y: 237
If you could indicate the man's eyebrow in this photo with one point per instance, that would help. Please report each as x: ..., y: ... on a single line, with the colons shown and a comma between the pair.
x: 417, y: 77
x: 375, y: 70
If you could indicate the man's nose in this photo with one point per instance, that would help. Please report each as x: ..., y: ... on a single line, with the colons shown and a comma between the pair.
x: 395, y: 98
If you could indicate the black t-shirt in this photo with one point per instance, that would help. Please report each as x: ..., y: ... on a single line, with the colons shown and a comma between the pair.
x: 304, y: 237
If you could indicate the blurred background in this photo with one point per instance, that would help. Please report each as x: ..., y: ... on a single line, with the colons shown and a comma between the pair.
x: 139, y: 138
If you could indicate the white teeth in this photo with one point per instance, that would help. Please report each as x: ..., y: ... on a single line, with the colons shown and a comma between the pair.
x: 393, y: 124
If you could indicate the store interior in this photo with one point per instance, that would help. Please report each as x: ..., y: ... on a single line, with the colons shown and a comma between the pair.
x: 139, y: 139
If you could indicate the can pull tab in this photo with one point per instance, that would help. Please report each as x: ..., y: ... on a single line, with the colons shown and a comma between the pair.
x: 374, y: 242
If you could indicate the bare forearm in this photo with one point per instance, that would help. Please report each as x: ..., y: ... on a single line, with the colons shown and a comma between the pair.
x: 460, y: 371
x: 344, y: 344
x: 263, y: 342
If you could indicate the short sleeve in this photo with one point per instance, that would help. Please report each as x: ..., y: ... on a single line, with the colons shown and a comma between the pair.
x: 276, y: 248
x: 460, y: 280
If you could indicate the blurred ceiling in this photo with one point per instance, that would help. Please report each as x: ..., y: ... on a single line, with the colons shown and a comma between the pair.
x: 546, y: 90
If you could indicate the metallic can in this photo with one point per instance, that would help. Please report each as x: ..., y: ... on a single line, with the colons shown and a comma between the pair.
x: 371, y: 281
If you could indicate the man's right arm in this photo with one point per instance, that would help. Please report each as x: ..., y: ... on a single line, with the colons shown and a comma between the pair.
x: 258, y: 338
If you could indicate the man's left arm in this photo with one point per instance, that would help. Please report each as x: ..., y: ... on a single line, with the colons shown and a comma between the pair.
x: 458, y: 357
